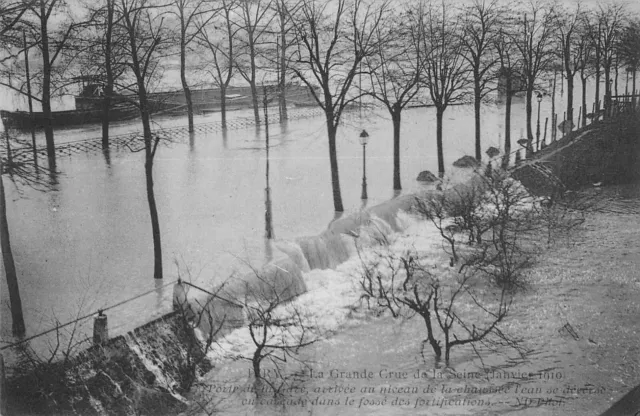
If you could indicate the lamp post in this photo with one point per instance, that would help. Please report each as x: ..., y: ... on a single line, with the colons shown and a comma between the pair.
x: 364, y: 139
x: 539, y: 98
x: 269, y: 234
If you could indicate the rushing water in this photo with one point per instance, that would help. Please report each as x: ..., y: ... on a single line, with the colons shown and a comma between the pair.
x: 87, y: 244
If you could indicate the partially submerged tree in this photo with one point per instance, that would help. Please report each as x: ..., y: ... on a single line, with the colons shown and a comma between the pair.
x: 445, y: 70
x: 568, y: 36
x: 255, y: 17
x: 481, y: 28
x: 52, y: 44
x: 509, y: 71
x: 188, y: 12
x: 334, y: 37
x: 143, y: 22
x: 220, y: 38
x: 394, y: 72
x: 533, y: 37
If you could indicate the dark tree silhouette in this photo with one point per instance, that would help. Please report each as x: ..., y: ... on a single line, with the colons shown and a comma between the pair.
x: 334, y: 37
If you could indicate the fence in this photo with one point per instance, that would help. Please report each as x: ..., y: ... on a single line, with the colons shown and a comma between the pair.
x: 615, y: 106
x: 135, y: 142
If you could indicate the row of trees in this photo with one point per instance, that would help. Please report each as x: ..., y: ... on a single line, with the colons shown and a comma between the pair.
x: 450, y: 53
x: 342, y: 50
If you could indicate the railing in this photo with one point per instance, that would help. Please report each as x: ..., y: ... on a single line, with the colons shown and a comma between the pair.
x: 134, y: 141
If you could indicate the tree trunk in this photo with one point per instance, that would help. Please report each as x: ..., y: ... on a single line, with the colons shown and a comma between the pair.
x: 183, y: 76
x: 46, y: 87
x: 607, y: 92
x: 476, y: 109
x: 529, y: 111
x: 396, y: 118
x: 634, y: 89
x: 108, y: 90
x: 570, y: 97
x: 597, y: 89
x: 255, y: 101
x: 432, y: 341
x: 283, y: 70
x: 507, y: 125
x: 332, y: 130
x: 584, y: 100
x: 439, y: 116
x: 17, y: 318
x: 223, y: 106
x: 148, y: 169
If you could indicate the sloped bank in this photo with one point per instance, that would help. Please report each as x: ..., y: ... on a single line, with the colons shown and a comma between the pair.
x: 147, y: 370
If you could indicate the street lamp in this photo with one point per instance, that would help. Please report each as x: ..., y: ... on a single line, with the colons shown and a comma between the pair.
x: 539, y: 98
x: 364, y: 139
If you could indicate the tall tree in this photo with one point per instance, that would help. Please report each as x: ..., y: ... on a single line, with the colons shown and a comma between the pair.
x: 394, y: 72
x: 143, y: 22
x: 583, y: 57
x: 567, y: 26
x: 283, y: 10
x: 509, y: 70
x: 533, y: 38
x: 334, y: 37
x: 10, y: 16
x: 255, y: 17
x: 445, y: 69
x: 629, y: 49
x: 481, y: 24
x: 220, y: 38
x: 52, y: 44
x: 610, y: 17
x: 188, y: 12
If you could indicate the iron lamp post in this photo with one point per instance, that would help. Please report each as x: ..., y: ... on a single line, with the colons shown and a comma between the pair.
x: 364, y: 139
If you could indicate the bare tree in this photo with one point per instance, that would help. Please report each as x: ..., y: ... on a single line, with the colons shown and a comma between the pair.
x: 221, y: 43
x: 17, y: 318
x: 143, y: 22
x: 188, y: 12
x: 279, y: 329
x: 610, y: 18
x: 533, y: 37
x: 284, y: 41
x: 572, y: 48
x: 510, y: 71
x: 255, y: 17
x: 334, y: 37
x: 629, y: 49
x: 52, y: 45
x: 394, y: 73
x: 583, y: 56
x: 481, y: 28
x: 17, y: 166
x: 446, y: 73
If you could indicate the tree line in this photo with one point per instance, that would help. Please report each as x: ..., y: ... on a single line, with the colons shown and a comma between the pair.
x: 342, y: 50
x: 422, y: 50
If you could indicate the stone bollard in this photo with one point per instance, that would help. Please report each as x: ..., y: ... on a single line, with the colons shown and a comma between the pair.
x: 100, y: 329
x: 179, y: 296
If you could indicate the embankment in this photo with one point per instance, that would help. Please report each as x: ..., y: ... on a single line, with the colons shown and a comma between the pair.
x: 606, y: 153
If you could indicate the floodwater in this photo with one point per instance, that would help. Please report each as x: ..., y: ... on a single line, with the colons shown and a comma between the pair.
x: 576, y: 323
x: 86, y: 245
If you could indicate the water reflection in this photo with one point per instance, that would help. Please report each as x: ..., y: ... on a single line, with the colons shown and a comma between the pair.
x: 192, y: 141
x: 106, y: 152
